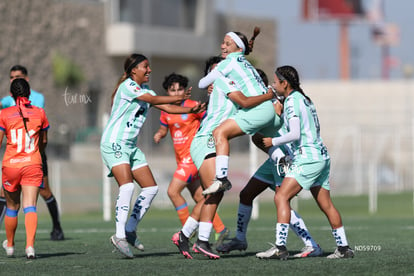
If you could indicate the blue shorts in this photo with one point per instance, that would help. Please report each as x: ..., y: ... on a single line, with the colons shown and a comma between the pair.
x: 201, y: 146
x: 268, y: 173
x: 114, y: 154
x: 310, y: 173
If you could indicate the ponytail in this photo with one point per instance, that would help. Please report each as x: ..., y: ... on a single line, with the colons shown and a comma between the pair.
x: 290, y: 74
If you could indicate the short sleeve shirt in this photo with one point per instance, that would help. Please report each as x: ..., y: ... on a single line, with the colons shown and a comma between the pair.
x: 128, y: 114
x: 22, y: 142
x: 182, y: 128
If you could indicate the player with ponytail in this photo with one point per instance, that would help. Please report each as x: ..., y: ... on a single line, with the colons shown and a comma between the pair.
x: 249, y: 119
x: 25, y: 127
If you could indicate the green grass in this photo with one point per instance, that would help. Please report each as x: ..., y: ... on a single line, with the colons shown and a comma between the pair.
x: 385, y: 239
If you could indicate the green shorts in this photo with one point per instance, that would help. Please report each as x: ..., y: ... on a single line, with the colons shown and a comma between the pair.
x: 114, y: 154
x: 201, y: 146
x: 252, y: 120
x: 272, y: 129
x: 310, y: 173
x: 267, y: 173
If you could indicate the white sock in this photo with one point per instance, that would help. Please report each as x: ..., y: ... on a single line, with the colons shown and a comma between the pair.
x: 122, y: 208
x: 298, y: 226
x: 340, y: 237
x: 282, y: 230
x: 243, y: 218
x: 141, y: 207
x: 204, y: 230
x: 189, y: 226
x: 222, y: 165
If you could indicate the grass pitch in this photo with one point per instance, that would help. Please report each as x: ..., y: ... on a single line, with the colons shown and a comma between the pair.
x: 383, y: 244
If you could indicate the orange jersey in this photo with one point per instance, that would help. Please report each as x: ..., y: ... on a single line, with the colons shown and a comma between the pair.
x: 182, y: 128
x: 22, y: 150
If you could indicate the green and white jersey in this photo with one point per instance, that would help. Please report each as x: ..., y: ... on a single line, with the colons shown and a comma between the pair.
x: 310, y: 144
x: 237, y: 68
x: 128, y: 114
x: 220, y: 107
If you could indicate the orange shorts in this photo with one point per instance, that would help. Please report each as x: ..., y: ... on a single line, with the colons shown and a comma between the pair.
x: 186, y: 172
x: 13, y: 178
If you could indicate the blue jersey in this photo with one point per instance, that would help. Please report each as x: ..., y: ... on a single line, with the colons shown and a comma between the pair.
x: 36, y: 99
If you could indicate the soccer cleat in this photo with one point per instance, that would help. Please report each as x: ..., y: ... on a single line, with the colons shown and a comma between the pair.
x: 218, y: 185
x: 275, y: 252
x: 30, y: 253
x: 204, y: 248
x: 9, y: 249
x: 341, y: 252
x: 122, y: 246
x: 133, y: 240
x: 223, y: 235
x: 234, y: 244
x: 309, y: 251
x: 181, y: 242
x: 57, y: 235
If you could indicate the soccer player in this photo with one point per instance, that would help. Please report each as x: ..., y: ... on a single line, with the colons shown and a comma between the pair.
x: 223, y: 103
x: 268, y: 176
x: 36, y: 99
x: 126, y: 162
x: 25, y: 127
x: 310, y: 167
x: 182, y: 128
x: 247, y: 120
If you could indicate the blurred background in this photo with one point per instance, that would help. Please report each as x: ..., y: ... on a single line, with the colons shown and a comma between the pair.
x: 354, y: 57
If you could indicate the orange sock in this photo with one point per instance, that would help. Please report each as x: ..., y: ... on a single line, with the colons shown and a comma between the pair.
x: 183, y: 213
x: 10, y: 225
x: 218, y: 225
x: 30, y: 221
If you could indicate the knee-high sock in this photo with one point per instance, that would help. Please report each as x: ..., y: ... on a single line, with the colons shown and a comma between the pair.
x: 222, y: 165
x: 243, y: 217
x: 218, y: 224
x: 282, y: 230
x: 122, y: 208
x: 54, y: 211
x: 141, y: 206
x: 189, y: 226
x: 10, y: 224
x: 340, y: 237
x: 30, y: 222
x: 298, y: 226
x: 183, y: 213
x: 204, y: 230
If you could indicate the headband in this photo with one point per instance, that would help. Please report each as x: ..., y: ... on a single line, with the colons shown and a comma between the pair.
x: 138, y: 60
x: 279, y: 76
x: 237, y: 40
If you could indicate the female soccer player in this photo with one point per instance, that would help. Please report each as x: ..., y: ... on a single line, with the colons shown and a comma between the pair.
x: 247, y: 120
x: 268, y: 176
x: 25, y: 127
x: 182, y: 128
x: 310, y: 165
x: 223, y: 102
x: 120, y: 154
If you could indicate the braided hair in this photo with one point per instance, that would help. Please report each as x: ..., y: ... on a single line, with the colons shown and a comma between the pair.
x: 20, y: 90
x: 290, y: 74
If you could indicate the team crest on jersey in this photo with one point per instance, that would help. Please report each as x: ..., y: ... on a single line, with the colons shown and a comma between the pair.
x: 210, y: 142
x: 232, y: 83
x: 184, y: 116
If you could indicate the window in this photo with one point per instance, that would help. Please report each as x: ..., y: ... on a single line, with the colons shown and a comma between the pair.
x: 163, y: 13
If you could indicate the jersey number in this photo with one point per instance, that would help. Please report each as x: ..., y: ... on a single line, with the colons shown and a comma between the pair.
x: 17, y: 139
